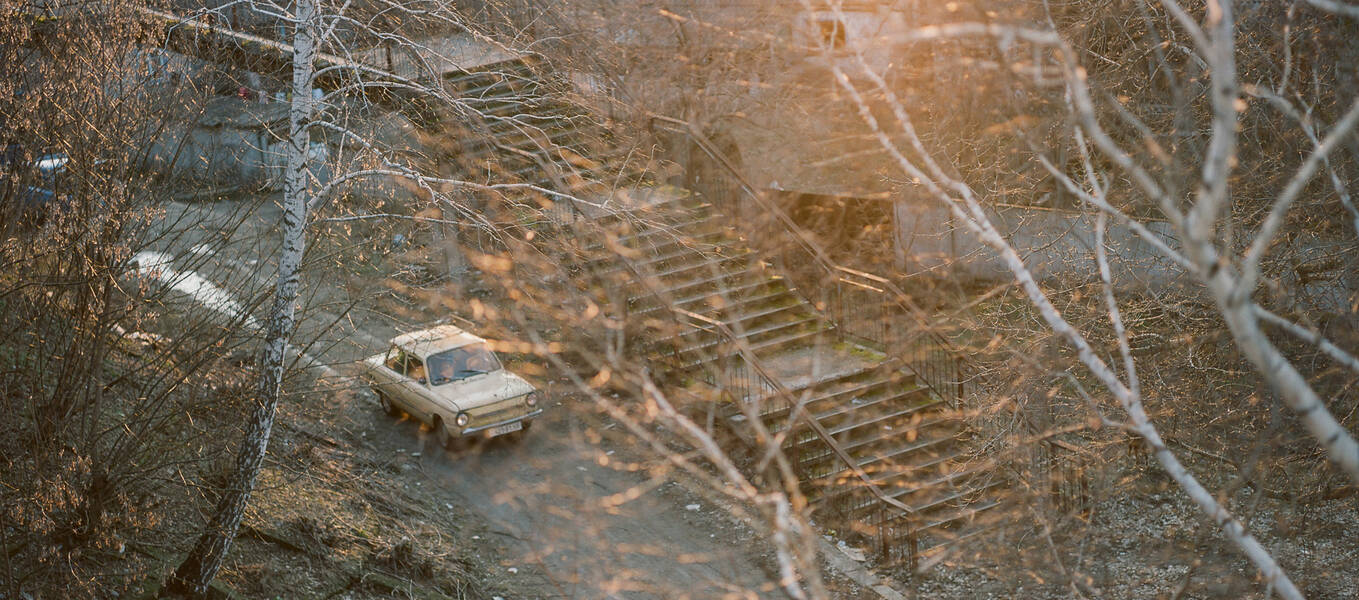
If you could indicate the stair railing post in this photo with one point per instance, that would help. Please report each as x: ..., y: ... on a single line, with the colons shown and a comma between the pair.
x: 747, y: 389
x: 839, y: 309
x: 884, y: 324
x: 885, y: 541
x: 958, y: 377
x: 912, y: 547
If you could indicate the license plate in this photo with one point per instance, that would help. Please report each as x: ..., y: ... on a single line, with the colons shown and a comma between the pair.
x: 507, y: 428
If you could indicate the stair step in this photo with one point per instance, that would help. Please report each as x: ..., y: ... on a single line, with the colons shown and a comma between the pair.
x: 718, y: 262
x: 506, y: 99
x: 729, y: 322
x: 898, y: 493
x: 533, y: 171
x: 536, y: 120
x: 957, y: 494
x: 527, y: 106
x: 522, y: 148
x: 774, y: 344
x: 512, y: 66
x: 538, y: 140
x: 673, y: 231
x: 507, y: 148
x: 819, y: 387
x: 752, y: 284
x: 874, y: 403
x: 673, y: 217
x: 502, y: 104
x: 519, y: 84
x: 795, y: 304
x: 881, y: 436
x: 606, y: 259
x: 841, y: 409
x: 844, y: 409
x: 723, y: 274
x: 684, y: 250
x: 749, y: 334
x: 887, y: 416
x: 829, y: 486
x: 916, y: 446
x: 659, y: 229
x: 861, y: 510
x: 829, y: 480
x: 680, y: 205
x: 736, y: 297
x: 737, y: 306
x: 761, y: 346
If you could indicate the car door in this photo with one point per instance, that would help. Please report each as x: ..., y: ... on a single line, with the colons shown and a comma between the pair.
x: 414, y: 387
x: 387, y: 375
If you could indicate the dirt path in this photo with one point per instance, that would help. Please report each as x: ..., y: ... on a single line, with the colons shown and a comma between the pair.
x: 549, y: 503
x: 568, y: 513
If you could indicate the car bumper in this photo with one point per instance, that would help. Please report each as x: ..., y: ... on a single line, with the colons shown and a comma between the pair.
x: 489, y: 426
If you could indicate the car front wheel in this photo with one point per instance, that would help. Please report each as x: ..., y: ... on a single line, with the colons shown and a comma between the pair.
x: 446, y: 439
x: 387, y: 406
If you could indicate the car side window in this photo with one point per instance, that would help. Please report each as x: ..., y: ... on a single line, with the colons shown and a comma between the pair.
x: 395, y: 358
x: 414, y: 368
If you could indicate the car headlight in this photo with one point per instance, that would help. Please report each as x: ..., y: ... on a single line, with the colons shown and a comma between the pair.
x: 462, y: 419
x: 531, y: 399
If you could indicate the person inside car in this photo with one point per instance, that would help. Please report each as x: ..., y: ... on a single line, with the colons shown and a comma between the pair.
x: 447, y: 371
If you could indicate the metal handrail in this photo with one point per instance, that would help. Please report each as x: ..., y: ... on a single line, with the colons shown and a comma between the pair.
x: 898, y: 295
x: 799, y: 414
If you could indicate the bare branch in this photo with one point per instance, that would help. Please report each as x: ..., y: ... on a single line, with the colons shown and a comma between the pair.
x: 1339, y: 8
x: 1250, y: 263
x: 1311, y: 336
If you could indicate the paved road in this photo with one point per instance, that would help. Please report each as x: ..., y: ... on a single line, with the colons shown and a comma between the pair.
x: 550, y: 502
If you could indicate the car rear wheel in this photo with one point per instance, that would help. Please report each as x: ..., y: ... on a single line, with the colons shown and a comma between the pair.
x: 387, y: 406
x: 446, y: 439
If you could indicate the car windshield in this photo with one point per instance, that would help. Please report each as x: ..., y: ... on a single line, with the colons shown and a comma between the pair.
x: 461, y: 363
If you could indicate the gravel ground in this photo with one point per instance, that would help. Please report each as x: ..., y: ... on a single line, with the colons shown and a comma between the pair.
x: 1153, y: 543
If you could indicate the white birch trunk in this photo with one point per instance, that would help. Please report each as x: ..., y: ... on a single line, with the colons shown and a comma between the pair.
x: 194, y: 575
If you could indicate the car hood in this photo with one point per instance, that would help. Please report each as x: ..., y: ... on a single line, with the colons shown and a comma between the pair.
x: 482, y: 390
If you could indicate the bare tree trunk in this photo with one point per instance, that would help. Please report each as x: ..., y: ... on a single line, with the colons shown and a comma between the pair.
x: 200, y: 567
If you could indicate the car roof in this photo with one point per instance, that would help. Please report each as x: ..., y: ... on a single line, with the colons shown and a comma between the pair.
x: 436, y: 339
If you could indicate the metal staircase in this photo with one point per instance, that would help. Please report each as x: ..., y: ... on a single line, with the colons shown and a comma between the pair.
x: 881, y: 454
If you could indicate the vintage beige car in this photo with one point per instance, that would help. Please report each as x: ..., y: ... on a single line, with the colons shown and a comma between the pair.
x: 451, y: 380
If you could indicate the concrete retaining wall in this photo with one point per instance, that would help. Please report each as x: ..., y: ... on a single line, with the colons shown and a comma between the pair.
x: 1053, y: 243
